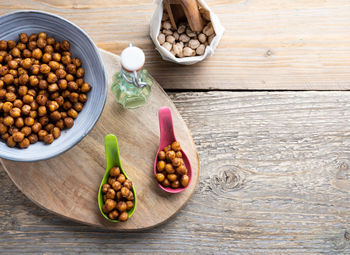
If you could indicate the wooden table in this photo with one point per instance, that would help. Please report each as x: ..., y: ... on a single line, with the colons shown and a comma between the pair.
x: 275, y: 165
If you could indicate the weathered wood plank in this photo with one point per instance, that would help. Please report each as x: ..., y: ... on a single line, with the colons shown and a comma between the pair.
x: 275, y: 179
x: 268, y: 44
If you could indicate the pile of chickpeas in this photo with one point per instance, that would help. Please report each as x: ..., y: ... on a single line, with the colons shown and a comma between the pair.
x: 171, y: 170
x: 118, y: 197
x: 42, y: 89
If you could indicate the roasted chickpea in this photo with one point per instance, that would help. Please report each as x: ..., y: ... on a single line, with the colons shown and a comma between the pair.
x: 119, y: 196
x: 127, y: 184
x: 33, y: 80
x: 110, y: 193
x: 175, y: 184
x: 27, y: 53
x: 73, y: 86
x: 161, y: 166
x: 22, y: 90
x: 26, y: 109
x: 82, y: 98
x: 49, y: 127
x: 25, y: 143
x: 178, y: 154
x: 116, y: 186
x: 170, y: 155
x: 121, y: 178
x: 73, y: 97
x: 53, y: 105
x: 42, y: 110
x: 61, y: 73
x: 185, y: 180
x: 13, y: 64
x: 17, y: 103
x: 27, y: 99
x: 56, y: 57
x: 26, y: 63
x: 76, y: 61
x: 54, y: 65
x: 3, y: 129
x: 169, y: 169
x: 3, y: 45
x: 41, y: 134
x: 44, y: 120
x: 1, y: 84
x: 11, y: 44
x: 7, y: 106
x: 32, y: 45
x: 66, y: 60
x: 124, y: 216
x: 8, y: 79
x: 110, y: 204
x: 36, y: 127
x: 160, y: 177
x: 23, y: 37
x: 49, y: 49
x: 48, y: 139
x: 15, y: 112
x: 56, y: 132
x: 60, y: 123
x: 51, y: 78
x: 182, y: 170
x: 10, y: 96
x: 43, y: 84
x: 34, y: 105
x: 105, y: 187
x: 68, y: 122
x: 129, y: 205
x: 69, y: 77
x: 8, y: 58
x: 172, y: 177
x: 166, y: 183
x: 33, y: 138
x: 115, y: 171
x: 8, y: 121
x: 113, y: 215
x: 86, y: 87
x: 80, y: 72
x: 51, y: 41
x: 59, y: 100
x: 29, y: 121
x: 37, y: 53
x: 13, y: 130
x: 26, y: 131
x: 121, y: 206
x: 176, y: 162
x: 33, y: 114
x: 2, y: 93
x: 3, y: 70
x: 10, y: 142
x: 15, y: 52
x: 41, y: 42
x: 55, y: 116
x: 18, y: 137
x: 19, y: 123
x: 125, y: 191
x: 5, y: 136
x: 41, y: 99
x: 65, y: 45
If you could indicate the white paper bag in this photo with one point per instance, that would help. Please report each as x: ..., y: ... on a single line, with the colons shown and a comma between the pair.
x: 156, y: 22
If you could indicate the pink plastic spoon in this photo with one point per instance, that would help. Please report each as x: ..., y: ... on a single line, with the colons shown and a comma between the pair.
x: 167, y: 137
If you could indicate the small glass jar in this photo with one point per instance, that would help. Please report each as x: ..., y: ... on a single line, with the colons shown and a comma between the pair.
x: 132, y: 85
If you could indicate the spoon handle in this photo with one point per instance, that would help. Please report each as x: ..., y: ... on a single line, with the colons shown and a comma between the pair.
x: 166, y: 126
x: 112, y: 151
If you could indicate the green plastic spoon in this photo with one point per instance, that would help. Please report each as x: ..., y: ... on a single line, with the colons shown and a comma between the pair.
x: 112, y: 159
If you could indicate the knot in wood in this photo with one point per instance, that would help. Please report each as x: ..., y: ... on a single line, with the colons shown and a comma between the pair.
x: 227, y: 180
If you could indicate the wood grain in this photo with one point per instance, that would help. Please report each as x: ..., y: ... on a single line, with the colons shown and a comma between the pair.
x: 275, y: 179
x: 68, y: 184
x: 268, y: 44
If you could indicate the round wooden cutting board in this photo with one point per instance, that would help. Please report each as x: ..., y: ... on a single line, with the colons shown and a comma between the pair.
x: 68, y: 184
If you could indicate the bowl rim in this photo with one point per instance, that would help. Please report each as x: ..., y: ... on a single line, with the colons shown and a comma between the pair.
x: 88, y: 130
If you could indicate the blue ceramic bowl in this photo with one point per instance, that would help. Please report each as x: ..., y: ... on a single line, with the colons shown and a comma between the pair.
x: 11, y: 25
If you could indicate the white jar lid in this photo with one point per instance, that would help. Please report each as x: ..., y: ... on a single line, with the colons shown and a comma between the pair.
x: 132, y: 58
